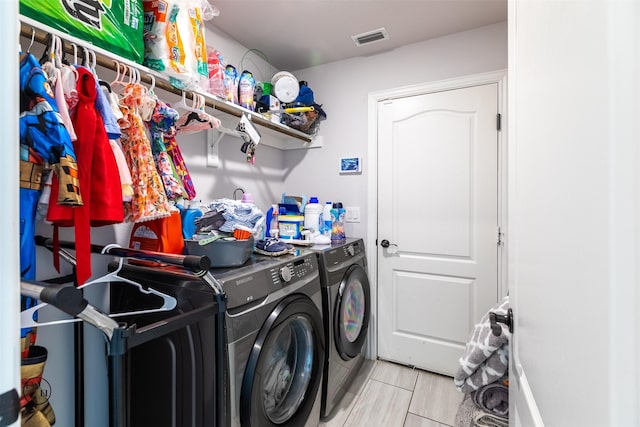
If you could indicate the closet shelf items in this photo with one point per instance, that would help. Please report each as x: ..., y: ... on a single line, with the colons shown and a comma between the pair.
x: 273, y: 134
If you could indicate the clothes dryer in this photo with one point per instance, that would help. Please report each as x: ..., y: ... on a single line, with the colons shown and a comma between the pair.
x: 275, y: 340
x: 346, y: 310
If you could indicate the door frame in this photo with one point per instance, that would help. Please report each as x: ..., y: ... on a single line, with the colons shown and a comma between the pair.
x: 499, y: 77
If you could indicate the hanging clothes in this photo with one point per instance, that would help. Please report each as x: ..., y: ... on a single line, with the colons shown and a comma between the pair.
x: 162, y: 119
x: 43, y: 138
x: 171, y: 144
x: 98, y: 175
x: 149, y: 198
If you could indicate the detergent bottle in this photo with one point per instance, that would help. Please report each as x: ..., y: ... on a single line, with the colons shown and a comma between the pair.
x: 326, y: 219
x: 188, y: 213
x: 337, y: 222
x: 312, y: 213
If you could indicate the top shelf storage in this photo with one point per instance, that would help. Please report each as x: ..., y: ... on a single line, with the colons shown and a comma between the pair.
x: 273, y: 134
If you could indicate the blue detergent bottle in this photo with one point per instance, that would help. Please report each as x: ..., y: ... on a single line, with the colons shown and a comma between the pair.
x: 326, y: 219
x: 188, y: 214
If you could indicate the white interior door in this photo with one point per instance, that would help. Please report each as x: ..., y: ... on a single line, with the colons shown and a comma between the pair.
x: 438, y: 209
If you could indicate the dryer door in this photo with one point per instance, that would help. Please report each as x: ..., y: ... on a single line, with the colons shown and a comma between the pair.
x: 351, y: 312
x: 284, y: 371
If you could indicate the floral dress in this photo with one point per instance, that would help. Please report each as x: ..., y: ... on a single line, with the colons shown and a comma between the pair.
x: 162, y: 120
x: 149, y: 199
x: 171, y: 144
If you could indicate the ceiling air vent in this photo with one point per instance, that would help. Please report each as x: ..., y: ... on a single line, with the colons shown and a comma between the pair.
x: 370, y: 37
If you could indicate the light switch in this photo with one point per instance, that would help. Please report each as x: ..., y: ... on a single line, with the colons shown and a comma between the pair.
x: 352, y: 214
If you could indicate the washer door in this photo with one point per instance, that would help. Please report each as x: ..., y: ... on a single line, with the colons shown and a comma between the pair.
x: 284, y: 371
x: 351, y: 312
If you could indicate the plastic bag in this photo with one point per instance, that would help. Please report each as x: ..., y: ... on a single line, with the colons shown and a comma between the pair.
x: 216, y: 66
x: 174, y: 40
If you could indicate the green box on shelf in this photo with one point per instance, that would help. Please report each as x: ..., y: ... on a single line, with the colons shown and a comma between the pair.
x: 113, y: 25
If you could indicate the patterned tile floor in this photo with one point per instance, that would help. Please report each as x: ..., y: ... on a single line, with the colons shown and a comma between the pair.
x: 390, y: 395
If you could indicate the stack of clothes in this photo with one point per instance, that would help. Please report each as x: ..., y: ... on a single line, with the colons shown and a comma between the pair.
x: 483, y: 375
x: 227, y: 216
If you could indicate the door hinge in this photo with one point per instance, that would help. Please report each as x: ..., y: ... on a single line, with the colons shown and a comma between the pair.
x: 500, y: 236
x: 498, y: 121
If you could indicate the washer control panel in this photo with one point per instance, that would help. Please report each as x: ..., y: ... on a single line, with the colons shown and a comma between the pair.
x: 294, y: 270
x: 286, y: 274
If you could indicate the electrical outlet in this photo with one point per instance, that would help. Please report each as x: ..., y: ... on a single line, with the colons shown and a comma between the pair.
x: 352, y: 214
x: 213, y: 141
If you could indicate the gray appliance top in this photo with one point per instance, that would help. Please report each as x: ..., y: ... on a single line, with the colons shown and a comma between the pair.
x: 262, y: 275
x: 341, y: 253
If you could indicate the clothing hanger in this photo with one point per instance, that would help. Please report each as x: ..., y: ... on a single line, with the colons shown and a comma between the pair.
x: 168, y: 302
x: 91, y: 62
x: 153, y: 85
x: 75, y: 54
x: 57, y: 54
x: 198, y: 119
x: 33, y: 37
x: 183, y: 103
x: 47, y: 49
x: 119, y: 82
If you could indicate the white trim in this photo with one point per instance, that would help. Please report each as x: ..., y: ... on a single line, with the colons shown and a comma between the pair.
x: 499, y: 77
x: 9, y: 215
x: 525, y: 412
x: 624, y: 210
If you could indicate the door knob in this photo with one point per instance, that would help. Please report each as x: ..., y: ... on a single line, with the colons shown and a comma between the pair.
x: 392, y: 246
x: 495, y: 318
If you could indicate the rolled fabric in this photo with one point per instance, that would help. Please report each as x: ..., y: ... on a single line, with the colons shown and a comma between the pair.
x: 493, y: 398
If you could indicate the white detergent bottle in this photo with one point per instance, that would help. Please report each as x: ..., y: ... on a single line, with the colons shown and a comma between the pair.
x: 326, y: 219
x: 312, y: 212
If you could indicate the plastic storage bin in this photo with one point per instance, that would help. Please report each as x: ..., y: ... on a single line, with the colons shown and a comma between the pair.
x: 221, y: 252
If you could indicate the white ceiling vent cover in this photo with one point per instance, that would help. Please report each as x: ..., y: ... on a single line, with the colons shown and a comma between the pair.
x: 370, y: 37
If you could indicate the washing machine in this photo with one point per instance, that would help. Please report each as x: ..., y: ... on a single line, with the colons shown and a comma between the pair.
x: 275, y: 336
x: 346, y: 311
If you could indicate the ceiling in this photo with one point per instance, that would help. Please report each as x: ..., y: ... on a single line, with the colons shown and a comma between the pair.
x: 297, y: 34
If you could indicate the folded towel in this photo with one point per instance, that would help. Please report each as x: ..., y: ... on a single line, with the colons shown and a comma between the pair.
x: 486, y: 358
x: 488, y: 420
x: 493, y: 398
x: 470, y: 415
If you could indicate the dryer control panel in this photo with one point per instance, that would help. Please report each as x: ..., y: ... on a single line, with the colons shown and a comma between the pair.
x: 345, y: 253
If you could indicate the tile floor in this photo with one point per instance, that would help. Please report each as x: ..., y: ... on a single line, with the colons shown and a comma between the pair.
x: 389, y: 395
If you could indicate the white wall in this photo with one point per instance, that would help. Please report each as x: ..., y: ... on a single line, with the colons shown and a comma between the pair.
x: 342, y: 88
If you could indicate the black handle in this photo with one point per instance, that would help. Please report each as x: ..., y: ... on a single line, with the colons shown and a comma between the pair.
x: 191, y: 262
x: 9, y: 407
x: 495, y: 318
x: 385, y: 243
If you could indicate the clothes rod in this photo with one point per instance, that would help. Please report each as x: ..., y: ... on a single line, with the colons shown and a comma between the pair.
x: 197, y: 264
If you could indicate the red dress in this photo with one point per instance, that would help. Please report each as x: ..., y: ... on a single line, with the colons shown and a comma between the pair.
x: 98, y: 175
